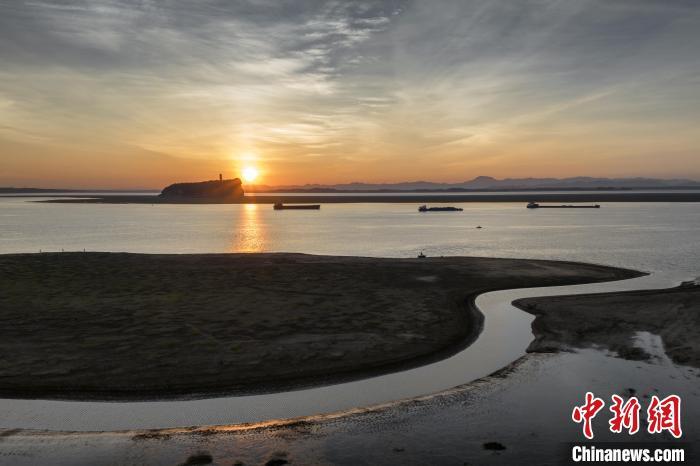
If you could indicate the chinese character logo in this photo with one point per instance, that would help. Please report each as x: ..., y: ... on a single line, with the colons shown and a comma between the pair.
x: 662, y: 415
x: 665, y: 415
x: 625, y: 415
x: 587, y: 412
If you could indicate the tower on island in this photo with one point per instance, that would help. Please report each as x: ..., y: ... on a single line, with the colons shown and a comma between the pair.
x: 221, y: 177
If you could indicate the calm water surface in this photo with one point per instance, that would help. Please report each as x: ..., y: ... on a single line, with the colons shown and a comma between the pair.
x: 646, y: 236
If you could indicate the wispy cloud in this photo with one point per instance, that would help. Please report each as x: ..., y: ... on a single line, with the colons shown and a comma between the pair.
x: 414, y: 84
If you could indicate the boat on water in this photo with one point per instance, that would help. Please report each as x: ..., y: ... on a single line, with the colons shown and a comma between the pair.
x: 535, y: 205
x: 425, y: 208
x: 281, y: 206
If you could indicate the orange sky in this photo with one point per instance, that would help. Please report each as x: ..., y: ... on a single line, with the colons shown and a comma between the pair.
x: 101, y: 96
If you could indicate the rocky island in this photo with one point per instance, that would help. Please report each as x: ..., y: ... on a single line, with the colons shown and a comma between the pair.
x: 229, y: 190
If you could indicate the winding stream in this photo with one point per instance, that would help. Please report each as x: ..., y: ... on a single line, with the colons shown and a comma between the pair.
x: 505, y: 336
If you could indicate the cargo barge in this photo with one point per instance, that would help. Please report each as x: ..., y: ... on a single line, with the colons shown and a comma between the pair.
x: 425, y: 208
x: 535, y: 205
x: 280, y: 206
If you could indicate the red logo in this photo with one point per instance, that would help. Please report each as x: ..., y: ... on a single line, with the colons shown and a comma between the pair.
x: 587, y: 412
x: 662, y: 415
x: 625, y: 415
x: 665, y: 415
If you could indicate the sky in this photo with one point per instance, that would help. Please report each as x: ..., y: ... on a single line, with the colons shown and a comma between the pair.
x: 141, y: 94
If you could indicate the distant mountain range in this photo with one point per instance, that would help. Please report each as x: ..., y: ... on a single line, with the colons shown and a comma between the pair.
x: 480, y: 183
x: 487, y: 183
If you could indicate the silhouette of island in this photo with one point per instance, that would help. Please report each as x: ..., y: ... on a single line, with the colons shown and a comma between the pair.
x: 215, y: 189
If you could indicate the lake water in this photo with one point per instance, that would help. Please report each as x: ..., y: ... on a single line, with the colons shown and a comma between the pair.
x: 645, y: 236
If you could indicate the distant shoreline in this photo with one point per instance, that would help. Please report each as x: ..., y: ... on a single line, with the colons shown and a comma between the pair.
x: 399, y: 198
x: 40, y: 191
x: 4, y: 191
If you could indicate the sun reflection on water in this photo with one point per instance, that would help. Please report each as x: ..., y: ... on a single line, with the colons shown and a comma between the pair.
x: 249, y: 233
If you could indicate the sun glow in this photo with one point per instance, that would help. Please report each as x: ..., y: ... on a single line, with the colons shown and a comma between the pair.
x: 249, y: 174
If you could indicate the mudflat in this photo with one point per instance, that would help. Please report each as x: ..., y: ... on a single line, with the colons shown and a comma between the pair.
x: 520, y: 409
x: 612, y: 320
x: 138, y: 326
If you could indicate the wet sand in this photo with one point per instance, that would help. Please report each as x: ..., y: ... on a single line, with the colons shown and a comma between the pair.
x: 136, y: 326
x: 612, y: 321
x: 525, y: 409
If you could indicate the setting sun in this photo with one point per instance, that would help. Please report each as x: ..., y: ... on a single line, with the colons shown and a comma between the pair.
x: 250, y: 174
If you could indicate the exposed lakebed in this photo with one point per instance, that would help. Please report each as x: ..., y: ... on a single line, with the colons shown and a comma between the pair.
x: 506, y: 334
